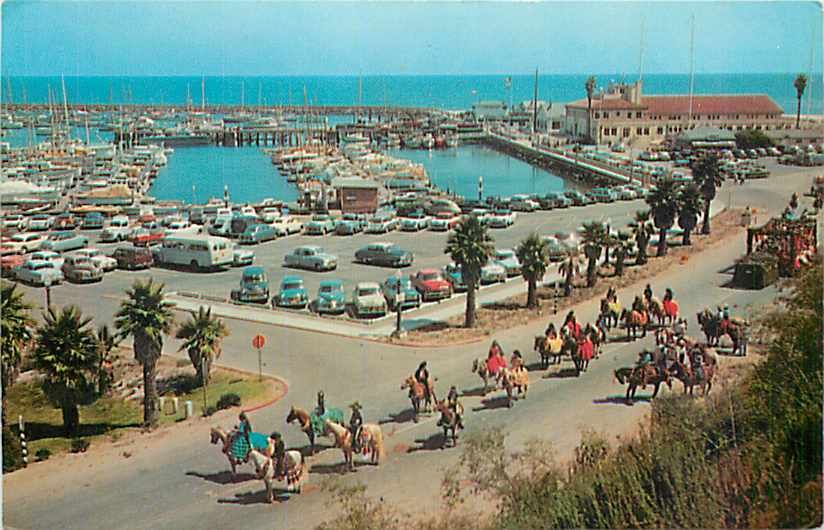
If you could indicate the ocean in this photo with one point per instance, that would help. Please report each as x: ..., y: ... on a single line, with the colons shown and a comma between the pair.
x: 436, y: 91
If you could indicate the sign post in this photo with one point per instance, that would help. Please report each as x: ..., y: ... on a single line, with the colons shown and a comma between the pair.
x: 258, y: 342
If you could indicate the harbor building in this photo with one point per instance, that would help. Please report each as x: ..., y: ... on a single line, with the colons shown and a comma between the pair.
x: 622, y: 114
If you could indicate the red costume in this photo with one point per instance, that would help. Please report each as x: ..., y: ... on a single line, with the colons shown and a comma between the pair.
x: 585, y: 349
x: 494, y: 363
x: 574, y: 328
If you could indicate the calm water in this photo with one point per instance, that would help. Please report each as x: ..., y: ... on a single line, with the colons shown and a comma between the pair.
x: 249, y: 174
x: 458, y: 169
x: 448, y: 92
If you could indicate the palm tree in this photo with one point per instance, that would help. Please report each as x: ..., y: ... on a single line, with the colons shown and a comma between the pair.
x: 663, y: 204
x: 569, y: 269
x: 589, y: 85
x: 706, y: 173
x: 15, y: 334
x: 800, y: 85
x: 622, y: 247
x: 641, y: 231
x: 106, y: 344
x: 689, y: 208
x: 470, y: 246
x: 593, y: 237
x: 533, y: 253
x: 201, y: 336
x: 67, y: 356
x: 147, y: 317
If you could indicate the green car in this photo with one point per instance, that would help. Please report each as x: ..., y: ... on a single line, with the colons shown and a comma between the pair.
x: 292, y: 293
x: 331, y: 298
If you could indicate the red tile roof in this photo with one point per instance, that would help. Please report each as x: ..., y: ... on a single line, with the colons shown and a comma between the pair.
x: 717, y: 104
x: 607, y: 104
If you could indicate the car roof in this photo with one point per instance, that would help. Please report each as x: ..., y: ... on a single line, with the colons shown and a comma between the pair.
x: 311, y: 247
x: 428, y: 271
x: 332, y: 283
x: 253, y: 270
x: 367, y: 285
x: 292, y: 278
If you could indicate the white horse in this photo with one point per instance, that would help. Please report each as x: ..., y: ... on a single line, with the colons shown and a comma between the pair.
x: 370, y: 433
x: 218, y: 434
x: 296, y: 471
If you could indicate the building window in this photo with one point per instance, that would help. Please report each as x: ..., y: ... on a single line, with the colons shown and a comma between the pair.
x: 639, y: 130
x: 626, y: 132
x: 597, y: 115
x: 606, y: 115
x: 638, y: 114
x: 660, y: 130
x: 615, y: 131
x: 646, y: 131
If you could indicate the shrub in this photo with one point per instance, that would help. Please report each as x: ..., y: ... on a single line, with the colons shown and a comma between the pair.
x: 12, y: 451
x: 208, y: 411
x: 42, y: 454
x: 79, y: 445
x: 228, y: 400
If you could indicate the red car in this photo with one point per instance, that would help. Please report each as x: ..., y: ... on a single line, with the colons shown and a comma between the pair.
x: 8, y: 262
x: 145, y: 238
x: 64, y: 221
x: 431, y: 284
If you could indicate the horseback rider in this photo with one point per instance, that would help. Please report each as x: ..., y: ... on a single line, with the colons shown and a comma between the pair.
x: 571, y: 323
x: 452, y: 401
x: 355, y: 424
x: 612, y: 295
x: 638, y: 304
x: 648, y: 293
x: 321, y: 409
x: 668, y: 295
x: 495, y: 360
x: 422, y: 377
x: 697, y: 361
x: 644, y: 358
x: 517, y: 360
x: 278, y: 453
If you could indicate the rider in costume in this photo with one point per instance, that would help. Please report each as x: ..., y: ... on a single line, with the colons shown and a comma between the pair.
x: 278, y: 453
x: 355, y: 423
x: 422, y: 377
x: 454, y: 403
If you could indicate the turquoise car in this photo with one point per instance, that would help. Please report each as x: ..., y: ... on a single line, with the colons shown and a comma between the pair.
x: 292, y: 293
x: 410, y: 296
x: 454, y: 276
x: 331, y: 298
x: 254, y: 286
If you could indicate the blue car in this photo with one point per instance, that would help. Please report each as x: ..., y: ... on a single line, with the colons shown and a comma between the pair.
x: 254, y: 286
x: 331, y: 298
x: 454, y: 276
x: 92, y: 221
x: 292, y: 293
x: 411, y: 296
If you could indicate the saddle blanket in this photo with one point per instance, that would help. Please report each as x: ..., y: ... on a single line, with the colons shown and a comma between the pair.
x: 240, y: 447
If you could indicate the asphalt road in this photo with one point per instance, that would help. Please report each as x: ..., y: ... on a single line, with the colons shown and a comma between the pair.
x: 181, y: 484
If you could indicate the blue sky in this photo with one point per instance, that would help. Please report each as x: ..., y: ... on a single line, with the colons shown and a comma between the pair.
x: 303, y: 38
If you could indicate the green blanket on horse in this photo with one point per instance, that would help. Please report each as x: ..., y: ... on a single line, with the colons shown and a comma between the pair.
x: 317, y: 421
x: 240, y: 447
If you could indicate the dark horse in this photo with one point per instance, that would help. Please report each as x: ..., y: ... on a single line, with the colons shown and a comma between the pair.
x: 714, y: 328
x: 303, y: 419
x: 540, y: 346
x: 635, y: 320
x: 687, y: 375
x: 610, y: 312
x: 570, y: 347
x: 449, y: 422
x: 642, y: 376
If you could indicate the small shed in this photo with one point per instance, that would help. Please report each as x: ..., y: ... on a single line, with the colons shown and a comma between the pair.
x: 356, y: 195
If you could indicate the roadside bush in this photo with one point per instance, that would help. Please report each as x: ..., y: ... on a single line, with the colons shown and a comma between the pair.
x: 79, y: 445
x: 12, y: 451
x: 208, y: 411
x: 752, y: 139
x: 228, y: 400
x: 42, y: 454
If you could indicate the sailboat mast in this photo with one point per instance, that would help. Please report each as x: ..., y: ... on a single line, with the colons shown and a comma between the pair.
x: 203, y: 93
x: 65, y: 100
x: 692, y: 64
x: 641, y: 54
x: 242, y: 95
x: 535, y: 105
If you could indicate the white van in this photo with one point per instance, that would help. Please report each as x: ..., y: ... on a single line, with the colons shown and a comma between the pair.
x: 196, y: 251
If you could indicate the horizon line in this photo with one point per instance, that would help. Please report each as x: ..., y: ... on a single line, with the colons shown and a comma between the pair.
x: 482, y: 74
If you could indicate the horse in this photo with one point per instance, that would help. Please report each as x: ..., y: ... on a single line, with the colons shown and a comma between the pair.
x: 687, y: 376
x: 570, y: 347
x: 635, y: 320
x: 611, y: 312
x: 714, y: 328
x: 642, y: 376
x: 449, y: 422
x: 512, y: 379
x: 417, y: 394
x: 656, y: 309
x: 296, y: 471
x: 343, y: 440
x: 549, y: 354
x: 670, y: 308
x: 309, y: 427
x: 218, y: 434
x: 479, y: 367
x: 371, y: 440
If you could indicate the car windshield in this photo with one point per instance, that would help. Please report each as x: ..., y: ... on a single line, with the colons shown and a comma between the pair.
x: 328, y: 288
x: 290, y: 286
x: 254, y: 278
x: 431, y: 276
x: 367, y: 291
x: 505, y: 255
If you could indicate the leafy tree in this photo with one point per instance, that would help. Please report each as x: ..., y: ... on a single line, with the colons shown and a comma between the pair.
x: 641, y: 230
x: 570, y: 268
x: 800, y: 85
x: 147, y: 317
x: 706, y: 173
x: 15, y: 334
x: 202, y: 336
x: 663, y: 202
x: 67, y: 355
x: 589, y: 86
x: 533, y: 253
x: 470, y: 246
x: 752, y: 139
x: 594, y: 238
x: 689, y: 208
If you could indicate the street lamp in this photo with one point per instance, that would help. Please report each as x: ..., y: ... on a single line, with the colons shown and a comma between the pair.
x: 399, y: 299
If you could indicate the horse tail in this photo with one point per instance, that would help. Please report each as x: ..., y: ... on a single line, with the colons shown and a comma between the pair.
x: 379, y: 447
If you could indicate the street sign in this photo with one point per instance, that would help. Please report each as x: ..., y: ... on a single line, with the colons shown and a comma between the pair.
x: 258, y: 341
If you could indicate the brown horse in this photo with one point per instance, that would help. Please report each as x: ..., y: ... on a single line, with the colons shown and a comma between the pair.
x: 690, y: 379
x: 514, y: 379
x: 714, y: 328
x: 635, y: 320
x: 302, y: 417
x: 642, y: 376
x: 418, y: 394
x: 655, y: 309
x: 549, y: 350
x: 479, y: 367
x: 449, y: 422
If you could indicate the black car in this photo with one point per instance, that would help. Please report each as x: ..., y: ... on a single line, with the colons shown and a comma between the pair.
x: 385, y: 255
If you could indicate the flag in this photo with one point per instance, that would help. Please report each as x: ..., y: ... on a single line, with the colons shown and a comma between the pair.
x: 508, y: 82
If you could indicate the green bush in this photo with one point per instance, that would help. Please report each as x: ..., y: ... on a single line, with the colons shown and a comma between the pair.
x: 208, y: 411
x: 79, y: 445
x: 228, y: 400
x: 12, y: 451
x: 752, y: 139
x: 42, y: 454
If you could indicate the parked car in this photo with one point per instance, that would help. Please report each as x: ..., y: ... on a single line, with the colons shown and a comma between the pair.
x: 320, y: 224
x: 381, y: 224
x: 133, y: 258
x: 9, y: 262
x: 577, y: 198
x: 414, y: 222
x: 626, y: 193
x: 453, y: 275
x: 81, y: 269
x: 64, y: 221
x: 368, y: 300
x: 92, y: 221
x: 242, y: 257
x: 311, y: 257
x: 603, y: 194
x: 268, y: 215
x: 25, y: 242
x: 117, y: 230
x: 431, y: 284
x: 559, y: 199
x: 292, y: 293
x: 523, y: 203
x: 40, y: 222
x: 257, y: 233
x: 384, y: 254
x: 48, y: 255
x: 507, y: 259
x: 350, y: 224
x: 254, y: 286
x: 557, y: 251
x: 220, y: 226
x: 35, y: 272
x: 501, y: 218
x: 100, y: 259
x: 410, y: 297
x: 15, y: 221
x: 330, y: 298
x: 444, y: 221
x: 142, y: 237
x: 287, y: 225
